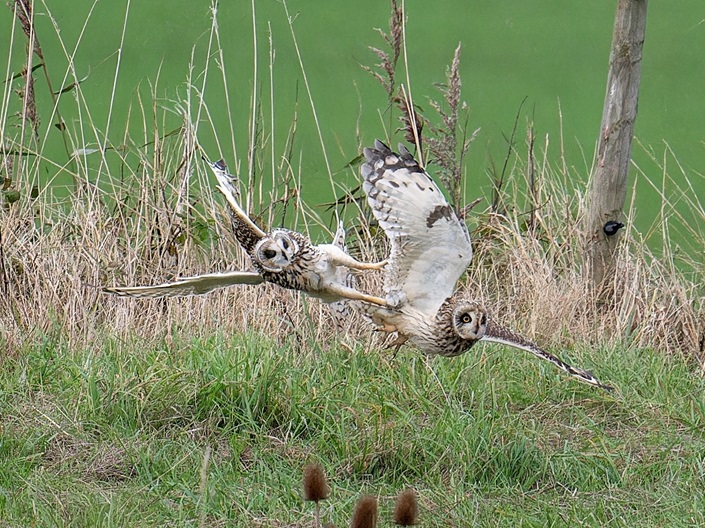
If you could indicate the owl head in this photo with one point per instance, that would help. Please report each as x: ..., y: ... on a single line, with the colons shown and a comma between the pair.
x: 275, y: 251
x: 470, y: 320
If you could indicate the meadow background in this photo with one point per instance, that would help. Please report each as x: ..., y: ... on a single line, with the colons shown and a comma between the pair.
x: 204, y: 411
x: 553, y: 54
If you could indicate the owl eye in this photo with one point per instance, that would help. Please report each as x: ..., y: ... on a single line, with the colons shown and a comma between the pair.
x: 465, y: 318
x: 269, y: 253
x: 285, y: 243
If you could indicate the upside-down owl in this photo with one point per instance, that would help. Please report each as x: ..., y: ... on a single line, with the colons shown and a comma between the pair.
x: 430, y: 249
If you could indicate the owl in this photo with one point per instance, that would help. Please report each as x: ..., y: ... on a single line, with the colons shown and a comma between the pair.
x: 430, y: 249
x: 283, y: 257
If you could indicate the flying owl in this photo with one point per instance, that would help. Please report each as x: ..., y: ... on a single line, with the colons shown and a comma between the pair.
x: 283, y: 257
x: 429, y: 250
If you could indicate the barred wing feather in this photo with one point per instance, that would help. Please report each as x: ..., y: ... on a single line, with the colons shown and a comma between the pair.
x: 430, y: 246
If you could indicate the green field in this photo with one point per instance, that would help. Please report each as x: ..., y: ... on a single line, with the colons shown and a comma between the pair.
x: 552, y: 54
x: 204, y: 411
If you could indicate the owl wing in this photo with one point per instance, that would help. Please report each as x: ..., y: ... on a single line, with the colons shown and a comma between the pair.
x: 497, y: 333
x: 430, y: 246
x: 198, y: 285
x: 245, y: 230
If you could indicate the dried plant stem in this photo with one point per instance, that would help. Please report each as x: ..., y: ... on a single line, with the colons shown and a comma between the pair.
x: 406, y: 92
x: 310, y: 95
x: 203, y: 488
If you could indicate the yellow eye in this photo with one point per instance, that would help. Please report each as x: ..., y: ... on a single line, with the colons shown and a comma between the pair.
x: 465, y: 319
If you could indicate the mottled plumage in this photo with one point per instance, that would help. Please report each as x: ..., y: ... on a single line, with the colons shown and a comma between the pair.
x: 283, y: 257
x: 430, y: 250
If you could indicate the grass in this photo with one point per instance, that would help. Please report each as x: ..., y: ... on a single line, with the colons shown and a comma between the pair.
x: 217, y: 431
x: 205, y: 411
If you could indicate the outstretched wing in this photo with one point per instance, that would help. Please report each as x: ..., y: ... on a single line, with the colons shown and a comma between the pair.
x: 198, y: 285
x: 499, y: 334
x: 430, y: 246
x: 246, y: 231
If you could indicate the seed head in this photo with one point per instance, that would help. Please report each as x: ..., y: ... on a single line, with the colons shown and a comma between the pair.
x: 365, y: 514
x: 315, y: 483
x: 406, y: 510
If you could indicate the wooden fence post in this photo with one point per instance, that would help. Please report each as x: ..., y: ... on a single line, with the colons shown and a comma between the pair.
x: 608, y: 188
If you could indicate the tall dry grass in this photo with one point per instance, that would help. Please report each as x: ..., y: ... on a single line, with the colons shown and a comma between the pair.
x: 144, y: 211
x: 532, y: 274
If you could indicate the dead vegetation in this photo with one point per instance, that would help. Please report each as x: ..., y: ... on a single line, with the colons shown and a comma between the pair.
x: 146, y: 213
x: 54, y: 252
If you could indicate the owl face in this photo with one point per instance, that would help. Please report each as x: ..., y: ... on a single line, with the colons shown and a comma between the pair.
x: 276, y: 251
x: 470, y: 321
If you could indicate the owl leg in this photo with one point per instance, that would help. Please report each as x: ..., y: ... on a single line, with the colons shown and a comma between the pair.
x: 351, y: 293
x: 367, y: 265
x: 387, y: 328
x: 397, y: 342
x: 340, y: 258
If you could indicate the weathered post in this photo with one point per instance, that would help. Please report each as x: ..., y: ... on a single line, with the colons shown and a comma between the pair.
x: 608, y: 190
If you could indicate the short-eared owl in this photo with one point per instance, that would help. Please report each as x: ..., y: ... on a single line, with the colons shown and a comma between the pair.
x: 429, y: 250
x: 283, y: 257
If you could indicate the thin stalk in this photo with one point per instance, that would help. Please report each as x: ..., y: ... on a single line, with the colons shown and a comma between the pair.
x: 310, y: 95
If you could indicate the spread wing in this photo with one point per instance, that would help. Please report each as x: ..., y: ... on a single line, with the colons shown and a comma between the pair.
x: 197, y: 285
x: 246, y: 231
x: 430, y: 246
x: 497, y: 333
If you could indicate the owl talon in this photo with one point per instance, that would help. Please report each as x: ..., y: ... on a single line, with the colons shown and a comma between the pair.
x: 397, y: 343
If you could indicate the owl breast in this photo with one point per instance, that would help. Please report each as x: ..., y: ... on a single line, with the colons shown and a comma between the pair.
x: 440, y: 340
x: 433, y: 335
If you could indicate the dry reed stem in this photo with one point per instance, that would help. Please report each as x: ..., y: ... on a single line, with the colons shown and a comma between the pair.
x: 159, y: 219
x: 389, y: 58
x: 533, y: 283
